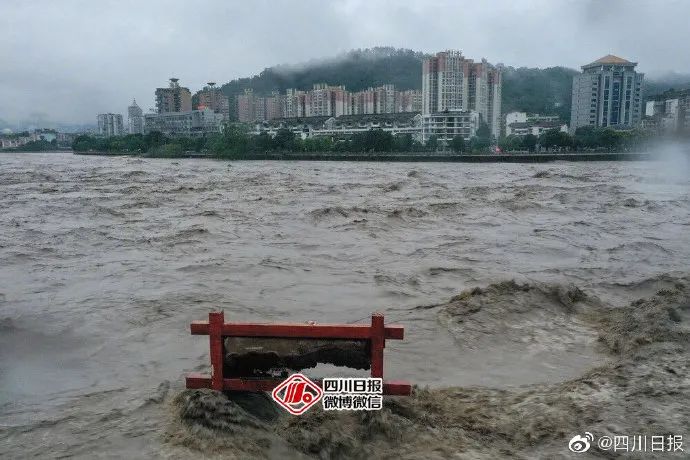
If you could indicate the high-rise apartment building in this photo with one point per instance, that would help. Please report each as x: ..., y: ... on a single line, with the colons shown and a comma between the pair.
x: 135, y: 119
x: 110, y: 124
x: 212, y: 97
x: 608, y: 93
x: 363, y: 102
x: 453, y: 83
x: 246, y: 106
x: 294, y: 104
x: 174, y: 98
x: 408, y: 101
x: 274, y: 106
x: 325, y: 100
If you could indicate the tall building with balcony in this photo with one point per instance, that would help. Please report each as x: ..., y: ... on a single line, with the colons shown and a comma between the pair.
x: 608, y: 93
x: 174, y: 98
x: 246, y: 106
x: 135, y: 119
x: 212, y: 97
x: 274, y: 106
x: 452, y: 83
x: 294, y: 104
x: 409, y: 101
x: 324, y: 100
x: 110, y: 124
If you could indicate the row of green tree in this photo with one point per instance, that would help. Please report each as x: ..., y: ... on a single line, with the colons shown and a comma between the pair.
x: 152, y: 144
x: 236, y: 142
x: 585, y: 139
x: 40, y: 145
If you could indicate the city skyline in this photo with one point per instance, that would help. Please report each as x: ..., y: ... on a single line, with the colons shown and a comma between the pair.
x: 115, y: 51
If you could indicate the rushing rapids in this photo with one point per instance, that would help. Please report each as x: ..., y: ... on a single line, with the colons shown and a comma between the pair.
x: 538, y: 300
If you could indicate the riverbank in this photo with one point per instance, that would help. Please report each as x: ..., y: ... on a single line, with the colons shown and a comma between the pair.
x: 417, y: 157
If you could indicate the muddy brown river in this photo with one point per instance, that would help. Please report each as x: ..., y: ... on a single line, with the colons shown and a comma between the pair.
x: 106, y: 260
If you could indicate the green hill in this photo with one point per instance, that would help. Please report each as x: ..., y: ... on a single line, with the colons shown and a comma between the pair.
x: 546, y: 91
x: 357, y: 70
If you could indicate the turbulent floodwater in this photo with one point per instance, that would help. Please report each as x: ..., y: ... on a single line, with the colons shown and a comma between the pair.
x: 106, y: 261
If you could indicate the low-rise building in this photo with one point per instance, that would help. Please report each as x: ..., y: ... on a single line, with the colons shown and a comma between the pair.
x: 668, y: 113
x: 195, y: 123
x: 65, y: 140
x: 445, y: 126
x: 536, y: 128
x: 524, y: 117
x: 14, y: 140
x: 11, y: 142
x: 345, y: 125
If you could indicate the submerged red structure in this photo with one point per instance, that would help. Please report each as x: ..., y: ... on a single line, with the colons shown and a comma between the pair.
x: 217, y: 329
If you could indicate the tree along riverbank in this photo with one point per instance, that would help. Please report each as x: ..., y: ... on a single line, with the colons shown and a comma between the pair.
x: 411, y: 156
x: 236, y: 142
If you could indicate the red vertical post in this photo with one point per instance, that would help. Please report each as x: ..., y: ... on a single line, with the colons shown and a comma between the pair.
x: 377, y: 344
x: 215, y: 333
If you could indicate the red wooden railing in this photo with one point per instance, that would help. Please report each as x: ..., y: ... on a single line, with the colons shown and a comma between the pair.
x: 216, y: 328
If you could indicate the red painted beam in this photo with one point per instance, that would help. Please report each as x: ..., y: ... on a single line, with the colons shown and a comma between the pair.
x: 378, y: 342
x: 297, y: 330
x: 216, y: 320
x: 196, y: 380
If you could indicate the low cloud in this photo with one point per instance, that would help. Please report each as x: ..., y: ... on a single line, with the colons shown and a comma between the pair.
x: 72, y: 59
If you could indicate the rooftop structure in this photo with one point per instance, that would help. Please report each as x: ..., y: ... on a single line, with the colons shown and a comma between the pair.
x: 174, y: 98
x: 608, y: 93
x: 212, y: 97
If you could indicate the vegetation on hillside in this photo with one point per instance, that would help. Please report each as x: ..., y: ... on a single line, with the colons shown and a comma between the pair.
x: 35, y: 146
x: 668, y: 82
x: 356, y: 69
x: 544, y: 91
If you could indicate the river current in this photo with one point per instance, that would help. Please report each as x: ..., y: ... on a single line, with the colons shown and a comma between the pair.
x: 106, y: 260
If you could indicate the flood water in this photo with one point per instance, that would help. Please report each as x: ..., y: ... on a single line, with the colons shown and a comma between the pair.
x: 106, y: 260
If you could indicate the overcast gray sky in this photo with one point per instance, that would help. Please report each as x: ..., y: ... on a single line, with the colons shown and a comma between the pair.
x: 67, y: 60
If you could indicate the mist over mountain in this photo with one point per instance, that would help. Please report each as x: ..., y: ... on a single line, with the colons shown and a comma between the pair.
x: 666, y: 82
x: 356, y: 69
x: 534, y: 90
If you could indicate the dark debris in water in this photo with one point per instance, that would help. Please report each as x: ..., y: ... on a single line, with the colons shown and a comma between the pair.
x: 641, y: 389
